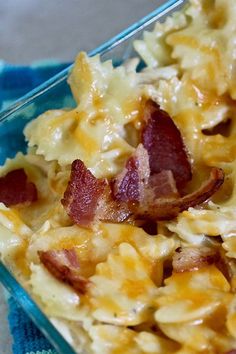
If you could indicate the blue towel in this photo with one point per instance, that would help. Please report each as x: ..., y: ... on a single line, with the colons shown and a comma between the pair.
x: 26, y: 337
x: 15, y: 81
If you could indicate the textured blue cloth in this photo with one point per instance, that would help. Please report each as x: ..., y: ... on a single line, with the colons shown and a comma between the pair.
x: 26, y: 337
x: 15, y: 81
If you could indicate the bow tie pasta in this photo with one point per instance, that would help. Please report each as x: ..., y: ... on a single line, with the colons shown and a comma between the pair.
x: 135, y: 284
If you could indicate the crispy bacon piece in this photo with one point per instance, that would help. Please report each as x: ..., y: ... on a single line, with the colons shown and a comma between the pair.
x: 16, y: 190
x: 64, y: 265
x: 162, y: 185
x: 164, y: 144
x: 168, y: 208
x: 82, y: 194
x: 130, y: 183
x: 233, y: 351
x: 147, y: 188
x: 193, y: 258
x: 112, y: 210
x: 134, y: 183
x: 88, y: 199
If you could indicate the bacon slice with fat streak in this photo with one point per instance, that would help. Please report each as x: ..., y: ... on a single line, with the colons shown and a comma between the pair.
x: 130, y: 183
x: 147, y: 188
x: 193, y: 258
x: 162, y: 185
x: 88, y: 199
x: 168, y: 208
x: 156, y: 197
x: 112, y: 210
x: 134, y: 183
x: 16, y: 190
x: 64, y: 265
x: 164, y: 144
x: 82, y: 194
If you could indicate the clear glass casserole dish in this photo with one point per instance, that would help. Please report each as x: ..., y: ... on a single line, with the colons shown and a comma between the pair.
x: 55, y: 94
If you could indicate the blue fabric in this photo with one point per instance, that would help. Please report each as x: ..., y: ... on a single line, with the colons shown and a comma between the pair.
x: 26, y: 337
x: 15, y: 81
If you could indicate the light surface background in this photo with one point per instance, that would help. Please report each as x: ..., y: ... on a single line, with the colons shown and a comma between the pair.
x: 32, y: 30
x: 38, y: 29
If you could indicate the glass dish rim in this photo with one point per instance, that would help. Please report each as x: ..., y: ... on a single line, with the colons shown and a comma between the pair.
x: 6, y: 278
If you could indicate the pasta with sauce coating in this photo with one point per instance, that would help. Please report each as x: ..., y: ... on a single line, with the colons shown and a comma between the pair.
x: 136, y: 301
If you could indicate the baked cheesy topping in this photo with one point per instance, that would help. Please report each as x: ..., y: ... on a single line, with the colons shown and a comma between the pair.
x: 125, y: 206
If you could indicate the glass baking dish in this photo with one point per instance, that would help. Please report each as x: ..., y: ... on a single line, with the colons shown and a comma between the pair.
x: 55, y: 94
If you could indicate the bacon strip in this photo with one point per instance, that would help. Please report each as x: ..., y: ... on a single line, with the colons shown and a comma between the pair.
x: 15, y: 190
x: 82, y: 194
x: 88, y: 199
x: 166, y: 208
x: 64, y: 265
x: 148, y: 187
x: 162, y: 185
x: 130, y: 183
x: 193, y: 258
x: 112, y: 210
x: 164, y: 145
x: 134, y: 183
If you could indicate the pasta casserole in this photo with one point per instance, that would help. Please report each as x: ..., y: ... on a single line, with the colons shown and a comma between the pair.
x: 120, y: 220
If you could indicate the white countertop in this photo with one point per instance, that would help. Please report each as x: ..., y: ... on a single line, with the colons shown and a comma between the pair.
x: 58, y: 29
x: 42, y: 29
